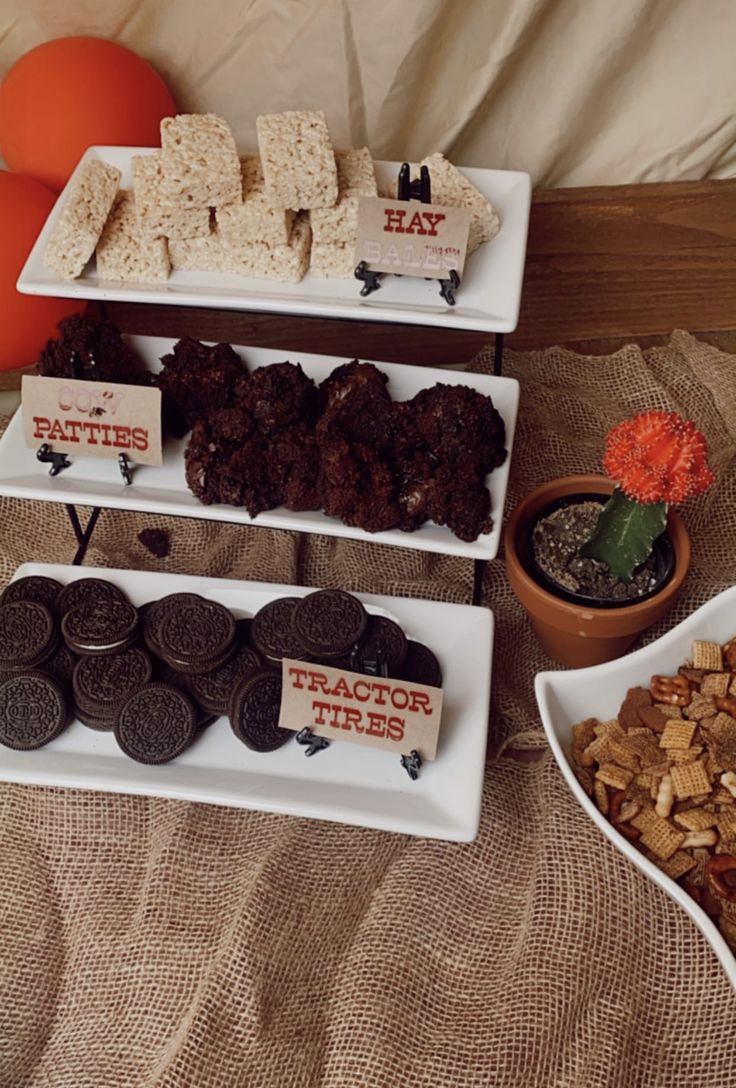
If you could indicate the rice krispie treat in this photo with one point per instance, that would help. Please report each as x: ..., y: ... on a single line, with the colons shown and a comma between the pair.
x: 254, y: 220
x: 123, y: 255
x: 157, y: 217
x: 355, y: 178
x: 199, y: 254
x: 297, y: 159
x: 82, y: 218
x: 451, y: 188
x: 200, y: 164
x: 258, y: 259
x: 333, y: 261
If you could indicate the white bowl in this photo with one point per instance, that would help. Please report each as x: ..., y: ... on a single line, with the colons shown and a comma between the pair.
x: 566, y: 698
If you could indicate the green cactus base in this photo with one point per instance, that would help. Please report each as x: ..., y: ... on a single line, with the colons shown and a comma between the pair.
x: 625, y: 533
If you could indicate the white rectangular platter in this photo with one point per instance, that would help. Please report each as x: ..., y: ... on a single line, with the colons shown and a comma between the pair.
x: 346, y: 783
x: 164, y: 490
x: 487, y: 301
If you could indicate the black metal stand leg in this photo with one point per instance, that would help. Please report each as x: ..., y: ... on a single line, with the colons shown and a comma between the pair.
x: 498, y: 354
x: 479, y: 567
x: 83, y: 535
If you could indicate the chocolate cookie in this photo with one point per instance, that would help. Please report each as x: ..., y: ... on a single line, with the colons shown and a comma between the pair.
x: 36, y: 587
x: 100, y: 627
x: 100, y: 684
x: 100, y: 723
x: 212, y: 690
x: 329, y: 622
x: 420, y: 666
x: 384, y: 643
x: 33, y: 711
x: 87, y: 591
x: 254, y: 713
x: 153, y: 614
x: 195, y: 635
x: 28, y: 634
x: 273, y: 634
x: 60, y: 665
x: 155, y: 724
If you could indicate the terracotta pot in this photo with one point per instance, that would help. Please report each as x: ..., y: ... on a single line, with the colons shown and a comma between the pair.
x: 570, y: 633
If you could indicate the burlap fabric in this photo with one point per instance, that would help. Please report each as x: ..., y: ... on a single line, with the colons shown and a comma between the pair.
x: 151, y: 943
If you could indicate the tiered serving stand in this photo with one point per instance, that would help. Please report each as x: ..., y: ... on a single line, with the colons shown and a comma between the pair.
x: 299, y: 322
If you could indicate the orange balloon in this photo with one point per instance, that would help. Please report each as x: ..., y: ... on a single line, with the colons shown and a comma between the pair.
x: 26, y: 321
x: 65, y: 95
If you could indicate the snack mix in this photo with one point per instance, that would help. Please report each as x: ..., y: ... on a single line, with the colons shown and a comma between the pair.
x: 664, y: 773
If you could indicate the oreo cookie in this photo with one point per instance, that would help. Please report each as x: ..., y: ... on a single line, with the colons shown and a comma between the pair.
x: 156, y: 724
x: 99, y: 723
x: 329, y: 622
x: 384, y: 643
x: 101, y: 684
x: 28, y: 634
x: 36, y: 587
x: 100, y: 627
x: 254, y: 713
x: 87, y: 591
x: 272, y: 631
x: 194, y: 635
x: 33, y: 711
x: 212, y: 690
x: 420, y: 666
x: 60, y: 666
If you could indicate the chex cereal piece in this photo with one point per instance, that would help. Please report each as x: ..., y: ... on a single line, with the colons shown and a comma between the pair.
x: 637, y: 699
x: 608, y: 728
x: 670, y: 711
x: 732, y: 686
x: 645, y: 747
x: 721, y: 737
x: 726, y: 822
x: 123, y: 255
x: 585, y: 778
x: 298, y: 162
x: 355, y: 178
x: 253, y: 219
x: 685, y: 755
x: 677, y: 734
x: 700, y: 706
x: 645, y: 819
x: 696, y: 819
x: 677, y: 865
x: 653, y: 717
x: 78, y: 228
x: 583, y: 735
x: 618, y: 777
x: 661, y: 838
x: 722, y: 797
x: 624, y: 755
x: 333, y: 261
x: 690, y: 779
x: 200, y: 164
x: 261, y: 261
x: 672, y: 690
x: 715, y: 683
x: 600, y: 795
x: 707, y: 655
x: 451, y: 188
x: 156, y: 217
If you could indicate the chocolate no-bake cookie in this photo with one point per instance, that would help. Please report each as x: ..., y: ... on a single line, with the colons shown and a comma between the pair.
x: 195, y: 380
x: 93, y: 351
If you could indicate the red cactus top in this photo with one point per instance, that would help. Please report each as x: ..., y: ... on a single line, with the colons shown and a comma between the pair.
x: 658, y: 457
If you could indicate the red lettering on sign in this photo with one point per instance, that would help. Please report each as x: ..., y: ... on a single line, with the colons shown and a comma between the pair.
x: 434, y: 220
x: 394, y: 220
x: 140, y: 438
x: 41, y: 425
x: 395, y: 729
x: 415, y: 224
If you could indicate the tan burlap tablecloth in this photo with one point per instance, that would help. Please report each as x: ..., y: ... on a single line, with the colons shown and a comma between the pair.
x: 149, y: 942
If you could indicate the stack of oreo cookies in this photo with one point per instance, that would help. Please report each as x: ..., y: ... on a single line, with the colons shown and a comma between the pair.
x: 157, y: 676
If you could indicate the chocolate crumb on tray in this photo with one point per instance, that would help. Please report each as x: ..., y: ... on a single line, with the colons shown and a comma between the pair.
x: 156, y: 541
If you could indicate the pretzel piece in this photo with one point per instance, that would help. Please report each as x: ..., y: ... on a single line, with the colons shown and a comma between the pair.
x: 673, y: 690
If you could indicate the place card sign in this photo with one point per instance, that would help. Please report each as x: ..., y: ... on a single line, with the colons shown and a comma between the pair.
x: 411, y: 239
x: 396, y: 715
x: 92, y: 419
